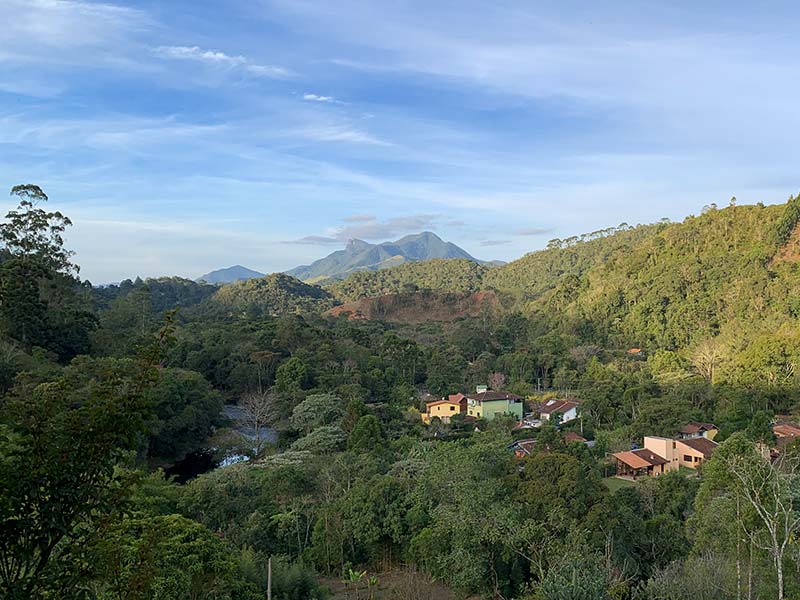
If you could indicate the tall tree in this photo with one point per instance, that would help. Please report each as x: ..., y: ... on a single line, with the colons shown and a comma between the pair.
x: 40, y: 303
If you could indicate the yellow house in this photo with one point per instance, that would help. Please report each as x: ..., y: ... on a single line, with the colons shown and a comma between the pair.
x: 661, y: 455
x: 693, y: 452
x: 444, y: 408
x: 697, y: 429
x: 688, y: 453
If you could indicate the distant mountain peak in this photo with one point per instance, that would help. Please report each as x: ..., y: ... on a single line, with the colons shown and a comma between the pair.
x: 355, y: 243
x: 230, y: 275
x: 359, y: 255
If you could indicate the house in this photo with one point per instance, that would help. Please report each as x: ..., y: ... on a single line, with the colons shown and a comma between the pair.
x: 696, y: 429
x: 693, y: 452
x: 661, y: 455
x: 488, y: 405
x: 454, y: 404
x: 785, y: 433
x: 522, y: 448
x: 525, y: 447
x: 568, y: 409
x: 638, y: 463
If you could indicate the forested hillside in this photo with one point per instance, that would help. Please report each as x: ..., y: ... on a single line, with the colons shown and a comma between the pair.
x: 442, y: 275
x: 666, y: 285
x: 649, y: 327
x: 274, y: 294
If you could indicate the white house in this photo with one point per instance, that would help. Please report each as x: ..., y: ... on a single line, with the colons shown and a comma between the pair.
x: 568, y: 409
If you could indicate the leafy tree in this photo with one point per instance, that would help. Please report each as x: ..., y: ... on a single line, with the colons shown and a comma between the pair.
x: 163, y: 557
x: 576, y: 578
x: 317, y: 410
x: 35, y: 235
x: 59, y: 446
x: 558, y: 481
x: 291, y: 375
x: 322, y: 440
x: 186, y: 408
x: 40, y: 303
x: 367, y: 435
x: 760, y: 428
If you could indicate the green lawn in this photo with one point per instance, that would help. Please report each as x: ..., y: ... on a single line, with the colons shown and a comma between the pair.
x: 613, y: 483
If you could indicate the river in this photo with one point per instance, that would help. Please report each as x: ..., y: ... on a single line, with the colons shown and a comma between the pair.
x: 203, y: 461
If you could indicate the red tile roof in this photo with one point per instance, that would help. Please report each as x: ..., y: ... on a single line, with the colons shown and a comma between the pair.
x: 639, y: 459
x: 786, y: 430
x: 571, y: 436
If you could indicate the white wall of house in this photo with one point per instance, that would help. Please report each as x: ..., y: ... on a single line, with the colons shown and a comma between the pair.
x: 566, y: 417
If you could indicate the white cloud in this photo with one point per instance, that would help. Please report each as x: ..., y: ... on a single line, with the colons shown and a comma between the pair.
x: 196, y: 53
x: 317, y: 240
x: 219, y: 58
x: 533, y: 231
x: 640, y: 73
x: 269, y: 71
x: 316, y: 98
x: 65, y: 33
x: 65, y: 24
x: 339, y: 133
x: 370, y: 227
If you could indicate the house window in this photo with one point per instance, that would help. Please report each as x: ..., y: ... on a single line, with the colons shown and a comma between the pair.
x: 696, y: 459
x: 687, y: 458
x: 452, y: 408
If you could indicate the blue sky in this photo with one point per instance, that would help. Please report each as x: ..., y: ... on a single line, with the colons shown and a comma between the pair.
x: 184, y: 136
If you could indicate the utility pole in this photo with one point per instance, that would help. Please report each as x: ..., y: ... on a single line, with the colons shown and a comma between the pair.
x: 269, y: 578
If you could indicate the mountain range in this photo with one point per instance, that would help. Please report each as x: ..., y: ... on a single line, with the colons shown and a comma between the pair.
x: 359, y: 255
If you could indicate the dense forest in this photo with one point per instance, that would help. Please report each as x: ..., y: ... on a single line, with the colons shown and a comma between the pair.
x: 107, y: 391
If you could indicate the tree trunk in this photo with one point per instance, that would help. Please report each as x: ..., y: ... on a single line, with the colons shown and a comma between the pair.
x: 738, y: 550
x: 269, y: 578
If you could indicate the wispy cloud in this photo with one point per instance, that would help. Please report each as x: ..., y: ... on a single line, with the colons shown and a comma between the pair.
x: 316, y: 240
x: 196, y: 53
x: 339, y: 133
x: 495, y: 242
x: 535, y: 231
x: 323, y: 99
x: 65, y: 33
x: 220, y: 59
x: 65, y: 24
x: 370, y: 227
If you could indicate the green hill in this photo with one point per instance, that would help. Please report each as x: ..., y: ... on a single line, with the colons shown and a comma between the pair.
x: 667, y: 285
x: 448, y: 275
x: 274, y: 294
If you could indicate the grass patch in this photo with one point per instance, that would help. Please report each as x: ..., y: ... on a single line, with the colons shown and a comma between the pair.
x: 614, y: 483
